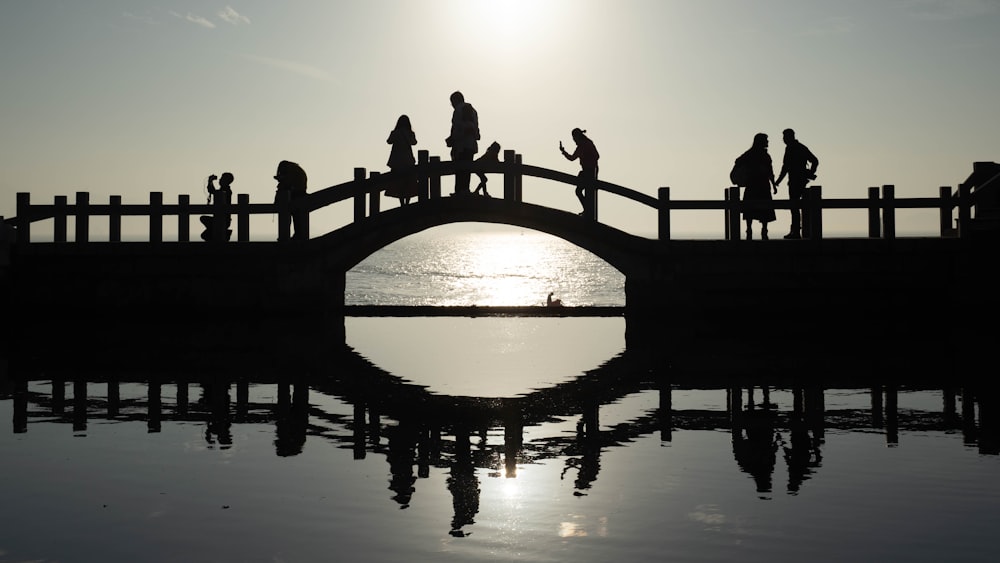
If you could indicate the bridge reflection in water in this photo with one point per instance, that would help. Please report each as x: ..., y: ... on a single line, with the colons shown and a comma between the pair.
x: 768, y: 418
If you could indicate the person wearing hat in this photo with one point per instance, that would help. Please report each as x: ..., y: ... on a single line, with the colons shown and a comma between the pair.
x: 800, y: 164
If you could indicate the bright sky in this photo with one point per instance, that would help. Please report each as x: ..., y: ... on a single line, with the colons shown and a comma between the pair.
x: 131, y: 96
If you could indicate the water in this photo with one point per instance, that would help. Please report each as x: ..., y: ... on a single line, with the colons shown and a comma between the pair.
x: 494, y: 267
x: 405, y: 447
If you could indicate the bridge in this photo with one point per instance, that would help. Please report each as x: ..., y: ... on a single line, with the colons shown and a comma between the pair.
x: 698, y: 287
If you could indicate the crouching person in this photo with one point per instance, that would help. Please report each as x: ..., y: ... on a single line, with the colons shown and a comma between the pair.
x: 217, y: 227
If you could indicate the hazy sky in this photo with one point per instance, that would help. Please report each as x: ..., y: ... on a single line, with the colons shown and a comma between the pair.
x: 131, y: 96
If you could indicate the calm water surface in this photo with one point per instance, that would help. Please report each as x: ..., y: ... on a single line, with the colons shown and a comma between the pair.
x: 488, y: 439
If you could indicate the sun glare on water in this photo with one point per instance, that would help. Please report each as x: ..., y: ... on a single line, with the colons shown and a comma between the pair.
x: 510, y: 269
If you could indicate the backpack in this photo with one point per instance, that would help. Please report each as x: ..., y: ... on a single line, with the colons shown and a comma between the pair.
x: 738, y: 175
x: 472, y: 115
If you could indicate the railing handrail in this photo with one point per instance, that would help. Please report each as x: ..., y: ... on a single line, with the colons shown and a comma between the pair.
x: 432, y: 168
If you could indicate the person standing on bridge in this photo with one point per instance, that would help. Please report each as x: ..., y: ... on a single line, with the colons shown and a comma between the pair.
x: 758, y: 179
x: 401, y: 162
x: 463, y: 140
x: 800, y: 164
x: 292, y: 185
x: 586, y: 151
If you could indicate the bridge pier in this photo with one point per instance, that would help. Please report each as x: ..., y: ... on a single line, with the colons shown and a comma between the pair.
x: 813, y: 305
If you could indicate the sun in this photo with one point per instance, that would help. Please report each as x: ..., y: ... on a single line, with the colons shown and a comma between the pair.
x: 513, y: 24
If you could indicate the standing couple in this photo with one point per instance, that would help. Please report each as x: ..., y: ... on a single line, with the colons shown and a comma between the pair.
x: 753, y: 171
x: 463, y: 141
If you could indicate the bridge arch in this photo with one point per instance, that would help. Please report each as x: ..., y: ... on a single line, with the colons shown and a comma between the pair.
x: 349, y: 245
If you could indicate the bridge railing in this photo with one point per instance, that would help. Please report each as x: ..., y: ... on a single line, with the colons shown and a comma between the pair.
x: 365, y: 192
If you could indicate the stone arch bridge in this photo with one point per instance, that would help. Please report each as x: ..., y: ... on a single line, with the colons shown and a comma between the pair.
x: 693, y: 286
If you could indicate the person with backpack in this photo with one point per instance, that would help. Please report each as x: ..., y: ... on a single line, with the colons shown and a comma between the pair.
x: 291, y: 188
x: 754, y: 172
x: 463, y: 140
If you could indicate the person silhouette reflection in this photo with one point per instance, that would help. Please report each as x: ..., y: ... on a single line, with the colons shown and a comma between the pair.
x: 586, y: 452
x: 802, y: 455
x: 463, y: 486
x: 755, y: 445
x: 291, y: 420
x: 215, y: 395
x: 402, y: 457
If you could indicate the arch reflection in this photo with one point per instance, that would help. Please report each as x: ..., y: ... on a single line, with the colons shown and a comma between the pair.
x: 776, y: 410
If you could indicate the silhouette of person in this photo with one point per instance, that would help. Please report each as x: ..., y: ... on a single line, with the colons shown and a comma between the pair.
x: 759, y: 181
x: 215, y: 395
x: 463, y: 139
x: 588, y: 155
x: 800, y: 164
x: 401, y: 161
x: 491, y: 156
x: 756, y: 450
x: 463, y: 485
x: 217, y: 226
x: 588, y: 446
x: 802, y: 455
x: 292, y: 182
x: 401, y: 456
x: 550, y: 302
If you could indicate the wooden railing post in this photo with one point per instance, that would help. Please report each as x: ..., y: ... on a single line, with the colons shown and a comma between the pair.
x: 115, y: 218
x: 874, y: 215
x: 82, y: 216
x: 812, y: 220
x: 283, y: 199
x: 59, y: 219
x: 733, y: 209
x: 423, y: 162
x: 818, y: 219
x: 304, y: 218
x: 727, y: 231
x: 23, y: 217
x: 155, y: 216
x: 375, y: 196
x: 518, y: 179
x: 183, y: 218
x: 889, y: 211
x: 434, y: 189
x: 359, y: 199
x: 945, y: 212
x: 805, y: 212
x: 243, y: 217
x: 663, y: 214
x: 964, y: 209
x: 509, y: 176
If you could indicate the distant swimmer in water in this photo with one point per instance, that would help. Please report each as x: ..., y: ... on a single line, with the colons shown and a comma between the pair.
x: 553, y: 302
